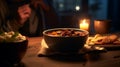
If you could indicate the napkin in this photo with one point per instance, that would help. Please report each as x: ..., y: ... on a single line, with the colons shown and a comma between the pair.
x: 45, y: 51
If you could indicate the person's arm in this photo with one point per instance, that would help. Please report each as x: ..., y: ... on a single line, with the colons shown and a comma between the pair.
x: 9, y: 25
x: 13, y: 25
x: 7, y: 21
x: 23, y: 15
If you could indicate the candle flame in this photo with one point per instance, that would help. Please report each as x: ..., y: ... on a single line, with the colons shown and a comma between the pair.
x: 84, y: 21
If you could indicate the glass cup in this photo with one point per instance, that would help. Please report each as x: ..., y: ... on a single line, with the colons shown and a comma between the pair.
x: 102, y: 26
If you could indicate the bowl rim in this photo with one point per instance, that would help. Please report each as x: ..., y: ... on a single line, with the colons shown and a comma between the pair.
x: 44, y: 32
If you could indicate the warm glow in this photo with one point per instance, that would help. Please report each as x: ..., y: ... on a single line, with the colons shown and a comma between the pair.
x: 77, y: 8
x: 98, y: 23
x: 84, y: 25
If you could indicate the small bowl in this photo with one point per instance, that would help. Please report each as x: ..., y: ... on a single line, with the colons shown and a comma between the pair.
x: 13, y: 52
x: 65, y: 43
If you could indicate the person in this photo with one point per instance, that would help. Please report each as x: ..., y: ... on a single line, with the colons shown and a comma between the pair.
x: 13, y: 14
x: 43, y: 16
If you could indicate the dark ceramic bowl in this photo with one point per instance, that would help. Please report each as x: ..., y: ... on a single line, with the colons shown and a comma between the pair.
x: 13, y: 52
x: 65, y: 43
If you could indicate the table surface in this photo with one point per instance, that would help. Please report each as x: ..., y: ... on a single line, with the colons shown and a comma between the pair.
x: 31, y: 59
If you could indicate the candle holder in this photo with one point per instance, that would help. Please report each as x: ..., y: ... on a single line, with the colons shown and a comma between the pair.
x: 84, y: 24
x: 102, y: 26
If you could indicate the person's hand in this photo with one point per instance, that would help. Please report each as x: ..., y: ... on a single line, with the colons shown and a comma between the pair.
x: 24, y: 13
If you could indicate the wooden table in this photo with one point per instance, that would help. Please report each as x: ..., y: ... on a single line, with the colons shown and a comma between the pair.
x: 31, y: 59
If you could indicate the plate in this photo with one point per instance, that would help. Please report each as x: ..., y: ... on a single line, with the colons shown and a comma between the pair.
x: 46, y: 52
x: 109, y: 41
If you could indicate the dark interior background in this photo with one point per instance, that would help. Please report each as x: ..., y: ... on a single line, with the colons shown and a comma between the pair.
x: 70, y: 11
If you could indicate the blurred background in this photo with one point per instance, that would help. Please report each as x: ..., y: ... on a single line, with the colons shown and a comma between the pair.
x: 69, y: 12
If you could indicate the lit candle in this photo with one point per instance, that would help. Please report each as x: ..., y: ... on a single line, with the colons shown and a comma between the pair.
x: 84, y: 24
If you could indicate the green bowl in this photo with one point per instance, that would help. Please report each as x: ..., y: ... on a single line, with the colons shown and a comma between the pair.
x: 13, y: 52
